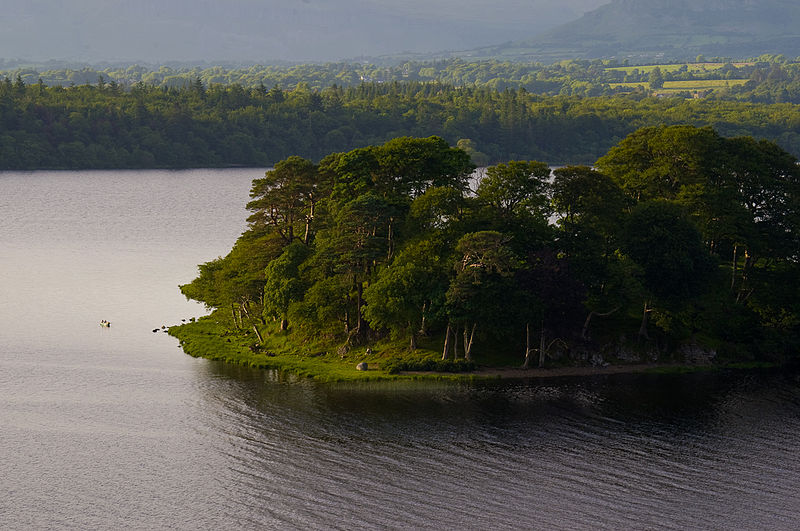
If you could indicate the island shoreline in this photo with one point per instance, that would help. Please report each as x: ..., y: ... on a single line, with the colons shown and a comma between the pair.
x: 200, y: 342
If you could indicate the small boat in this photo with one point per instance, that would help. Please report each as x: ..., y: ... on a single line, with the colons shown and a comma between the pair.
x: 105, y: 323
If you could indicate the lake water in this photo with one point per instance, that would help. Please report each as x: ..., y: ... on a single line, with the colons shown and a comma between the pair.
x: 117, y: 428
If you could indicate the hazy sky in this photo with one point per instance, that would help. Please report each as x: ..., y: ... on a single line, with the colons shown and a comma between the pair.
x: 266, y: 30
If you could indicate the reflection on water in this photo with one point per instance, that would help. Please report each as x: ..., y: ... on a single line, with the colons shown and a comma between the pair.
x: 116, y: 428
x: 619, y: 451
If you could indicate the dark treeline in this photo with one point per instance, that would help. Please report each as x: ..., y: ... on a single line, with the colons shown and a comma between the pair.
x: 678, y: 238
x: 106, y: 126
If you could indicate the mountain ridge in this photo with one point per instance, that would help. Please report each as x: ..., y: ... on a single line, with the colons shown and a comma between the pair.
x: 680, y: 30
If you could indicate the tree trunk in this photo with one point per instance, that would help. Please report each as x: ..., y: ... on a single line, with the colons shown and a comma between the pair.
x: 468, y: 342
x: 455, y: 343
x: 748, y: 262
x: 733, y: 267
x: 258, y: 334
x: 359, y: 292
x: 390, y: 245
x: 413, y: 345
x: 422, y: 327
x: 643, y: 326
x: 309, y: 219
x: 284, y: 324
x: 527, y: 346
x: 585, y: 330
x: 446, y: 349
x: 542, y: 349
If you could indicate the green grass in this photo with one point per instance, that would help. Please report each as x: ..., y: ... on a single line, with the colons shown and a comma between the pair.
x: 691, y: 67
x: 317, y: 360
x: 695, y: 85
x: 320, y: 361
x: 701, y: 84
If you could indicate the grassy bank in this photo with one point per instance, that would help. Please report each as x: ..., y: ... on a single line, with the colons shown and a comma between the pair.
x: 318, y: 360
x: 386, y: 360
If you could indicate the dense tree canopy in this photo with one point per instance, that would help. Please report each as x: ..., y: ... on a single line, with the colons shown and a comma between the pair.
x: 675, y: 234
x: 103, y: 125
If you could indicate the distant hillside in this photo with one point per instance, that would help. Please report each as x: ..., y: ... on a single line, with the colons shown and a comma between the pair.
x: 265, y: 31
x: 680, y: 29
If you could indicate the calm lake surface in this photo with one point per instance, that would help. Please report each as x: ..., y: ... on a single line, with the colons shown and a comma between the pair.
x: 117, y: 428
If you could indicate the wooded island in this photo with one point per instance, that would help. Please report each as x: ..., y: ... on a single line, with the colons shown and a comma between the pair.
x: 677, y: 245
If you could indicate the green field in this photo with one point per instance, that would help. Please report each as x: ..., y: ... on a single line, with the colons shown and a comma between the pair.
x: 695, y: 85
x: 692, y: 67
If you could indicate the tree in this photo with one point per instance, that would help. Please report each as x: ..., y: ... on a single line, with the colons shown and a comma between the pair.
x: 353, y: 245
x: 656, y: 79
x: 591, y: 210
x: 676, y: 265
x: 479, y: 158
x: 583, y: 196
x: 354, y: 173
x: 485, y: 264
x: 282, y: 284
x: 517, y: 186
x: 237, y: 280
x: 408, y: 290
x: 411, y: 165
x: 662, y: 162
x: 385, y: 240
x: 767, y: 180
x: 438, y: 209
x: 514, y: 200
x: 550, y: 297
x: 286, y: 197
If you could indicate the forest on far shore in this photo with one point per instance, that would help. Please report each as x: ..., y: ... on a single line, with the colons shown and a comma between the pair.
x: 106, y: 125
x: 678, y: 238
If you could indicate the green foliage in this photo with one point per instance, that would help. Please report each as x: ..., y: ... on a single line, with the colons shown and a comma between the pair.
x: 282, y: 284
x: 586, y: 199
x: 514, y: 187
x: 325, y: 307
x: 408, y: 290
x: 237, y: 278
x: 286, y: 197
x: 663, y: 241
x: 656, y: 79
x: 662, y: 162
x: 437, y: 210
x: 678, y: 227
x: 575, y: 118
